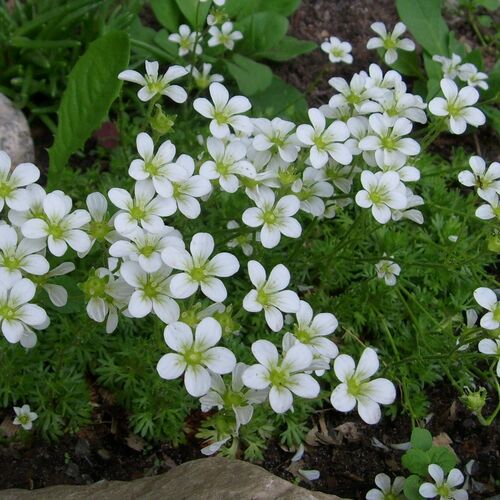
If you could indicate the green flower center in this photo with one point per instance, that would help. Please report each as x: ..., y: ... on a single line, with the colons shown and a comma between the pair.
x: 222, y: 168
x: 137, y: 212
x: 5, y: 190
x: 354, y: 387
x: 10, y: 262
x: 151, y: 168
x: 353, y: 98
x: 288, y: 176
x: 278, y: 376
x: 302, y: 335
x: 269, y: 217
x: 24, y: 419
x: 389, y: 43
x: 99, y: 230
x: 220, y: 117
x: 150, y: 290
x: 55, y: 230
x: 444, y: 491
x: 388, y: 143
x: 454, y: 109
x: 337, y: 52
x: 198, y: 274
x: 262, y: 297
x: 148, y: 250
x: 95, y: 287
x: 319, y: 142
x: 155, y: 85
x: 232, y: 398
x: 7, y: 312
x: 193, y: 357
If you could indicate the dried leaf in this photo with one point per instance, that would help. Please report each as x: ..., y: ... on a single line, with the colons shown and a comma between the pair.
x: 350, y: 432
x: 135, y: 442
x: 8, y: 428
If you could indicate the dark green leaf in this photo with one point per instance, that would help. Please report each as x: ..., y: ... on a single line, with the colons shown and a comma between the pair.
x: 442, y: 457
x: 416, y: 461
x: 494, y: 83
x: 421, y: 439
x: 408, y: 64
x: 288, y: 48
x: 161, y: 39
x: 239, y: 9
x: 493, y: 116
x: 194, y: 11
x: 251, y: 77
x: 412, y: 484
x: 425, y: 22
x: 261, y: 32
x: 92, y: 87
x: 167, y: 13
x: 489, y: 4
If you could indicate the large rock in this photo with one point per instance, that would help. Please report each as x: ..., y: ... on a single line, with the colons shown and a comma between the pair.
x: 206, y: 479
x: 15, y: 135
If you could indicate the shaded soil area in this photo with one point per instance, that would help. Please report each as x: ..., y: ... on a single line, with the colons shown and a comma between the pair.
x: 347, y: 452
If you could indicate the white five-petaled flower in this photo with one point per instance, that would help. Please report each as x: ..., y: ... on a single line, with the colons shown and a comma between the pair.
x: 449, y: 66
x: 57, y: 293
x: 275, y: 218
x: 153, y: 85
x: 388, y: 271
x: 311, y: 331
x: 283, y: 375
x: 387, y: 139
x: 456, y: 106
x: 311, y: 189
x: 151, y: 292
x: 24, y: 417
x: 491, y: 347
x: 145, y: 209
x: 382, y: 192
x: 487, y: 298
x: 193, y: 356
x: 17, y: 314
x: 158, y: 167
x: 99, y: 228
x: 187, y: 40
x: 486, y: 181
x: 443, y: 488
x: 337, y: 50
x: 198, y: 270
x: 228, y: 162
x: 203, y: 78
x: 489, y: 210
x: 469, y: 73
x: 270, y: 294
x: 356, y: 388
x: 19, y: 257
x: 224, y: 111
x: 389, y: 42
x: 59, y: 226
x: 224, y: 36
x: 386, y: 490
x: 324, y: 141
x: 12, y: 182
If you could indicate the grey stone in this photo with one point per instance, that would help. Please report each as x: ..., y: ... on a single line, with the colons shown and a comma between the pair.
x: 15, y: 135
x: 205, y: 479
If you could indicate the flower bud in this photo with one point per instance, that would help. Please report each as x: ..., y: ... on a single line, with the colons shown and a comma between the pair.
x: 474, y: 400
x: 162, y: 123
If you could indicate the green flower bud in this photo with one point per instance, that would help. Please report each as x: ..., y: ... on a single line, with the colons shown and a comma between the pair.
x: 162, y: 123
x: 474, y: 400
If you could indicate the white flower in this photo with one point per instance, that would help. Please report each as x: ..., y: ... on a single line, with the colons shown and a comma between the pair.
x: 356, y: 388
x: 12, y: 182
x: 158, y: 167
x: 275, y: 218
x: 489, y: 210
x: 397, y: 164
x: 57, y: 293
x: 487, y: 298
x: 145, y: 210
x: 18, y: 257
x: 99, y: 228
x: 187, y: 40
x: 198, y: 270
x: 470, y: 74
x: 244, y: 240
x: 35, y: 196
x: 59, y: 226
x: 387, y: 139
x: 324, y: 141
x: 377, y: 78
x: 311, y: 331
x: 224, y: 36
x: 234, y: 397
x: 491, y: 347
x: 152, y: 292
x: 337, y: 51
x: 146, y: 248
x: 275, y: 137
x: 270, y: 294
x: 389, y: 42
x: 449, y: 67
x: 228, y: 162
x: 445, y: 489
x: 188, y: 189
x: 194, y: 356
x: 153, y: 85
x: 383, y: 191
x: 16, y: 313
x: 224, y: 111
x: 203, y: 78
x: 24, y: 417
x: 457, y: 106
x: 409, y: 212
x: 283, y: 375
x: 354, y: 94
x: 311, y: 189
x: 386, y: 491
x: 388, y: 271
x: 486, y: 181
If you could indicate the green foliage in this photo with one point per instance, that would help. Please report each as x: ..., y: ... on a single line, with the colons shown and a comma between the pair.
x: 92, y: 87
x: 251, y: 76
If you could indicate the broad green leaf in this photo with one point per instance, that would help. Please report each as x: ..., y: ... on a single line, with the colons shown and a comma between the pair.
x: 416, y: 461
x: 261, y: 32
x: 408, y: 64
x: 167, y: 13
x: 442, y: 457
x: 424, y: 20
x: 251, y: 77
x: 280, y: 99
x: 194, y: 11
x: 142, y: 40
x: 288, y: 48
x: 237, y: 9
x: 421, y: 439
x: 489, y: 4
x: 92, y: 87
x: 494, y: 83
x: 171, y: 48
x: 493, y: 117
x: 412, y: 484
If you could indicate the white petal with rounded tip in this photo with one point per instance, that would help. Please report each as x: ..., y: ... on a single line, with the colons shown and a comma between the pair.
x: 220, y: 360
x: 341, y: 400
x: 214, y: 289
x: 368, y: 410
x: 170, y: 366
x: 368, y: 364
x: 178, y: 336
x: 380, y: 390
x: 257, y: 274
x: 303, y: 385
x: 344, y: 367
x: 139, y: 305
x: 197, y: 380
x: 297, y: 358
x: 274, y: 318
x: 182, y: 286
x: 166, y: 309
x: 280, y: 399
x: 256, y: 377
x: 436, y: 473
x: 485, y: 297
x: 265, y: 353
